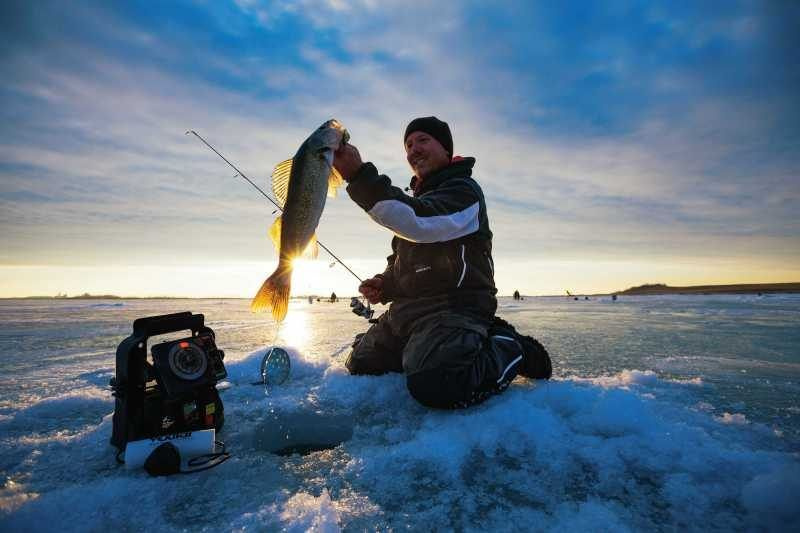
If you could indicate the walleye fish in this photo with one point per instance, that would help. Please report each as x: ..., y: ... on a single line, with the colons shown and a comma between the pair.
x: 300, y: 185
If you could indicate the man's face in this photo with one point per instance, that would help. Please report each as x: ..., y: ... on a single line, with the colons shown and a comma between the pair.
x: 425, y: 154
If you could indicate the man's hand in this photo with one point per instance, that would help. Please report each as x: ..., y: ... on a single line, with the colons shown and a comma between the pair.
x: 372, y: 289
x: 347, y: 161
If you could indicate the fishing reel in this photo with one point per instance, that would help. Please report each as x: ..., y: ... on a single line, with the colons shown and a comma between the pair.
x: 360, y: 309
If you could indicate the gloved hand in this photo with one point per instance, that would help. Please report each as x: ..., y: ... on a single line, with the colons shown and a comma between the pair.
x: 372, y: 289
x: 347, y: 161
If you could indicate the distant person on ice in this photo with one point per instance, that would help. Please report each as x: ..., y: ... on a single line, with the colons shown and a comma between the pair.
x: 440, y: 329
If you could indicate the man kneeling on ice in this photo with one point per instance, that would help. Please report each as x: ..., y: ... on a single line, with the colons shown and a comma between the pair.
x: 440, y: 329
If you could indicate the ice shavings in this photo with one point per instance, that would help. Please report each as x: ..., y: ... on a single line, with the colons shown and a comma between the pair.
x: 14, y: 496
x: 624, y: 378
x: 570, y: 440
x: 563, y: 453
x: 608, y: 448
x: 300, y: 512
x: 647, y: 378
x: 732, y: 418
x: 304, y: 512
x: 773, y: 496
x: 697, y: 381
x: 67, y: 411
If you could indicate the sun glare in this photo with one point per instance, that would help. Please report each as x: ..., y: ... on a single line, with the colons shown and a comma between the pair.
x: 294, y: 329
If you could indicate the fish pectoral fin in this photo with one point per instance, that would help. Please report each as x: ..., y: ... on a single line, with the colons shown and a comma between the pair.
x: 312, y: 248
x: 280, y: 180
x: 275, y: 234
x: 335, y: 180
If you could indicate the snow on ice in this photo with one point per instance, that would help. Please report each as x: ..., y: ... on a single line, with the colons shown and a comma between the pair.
x: 597, y: 448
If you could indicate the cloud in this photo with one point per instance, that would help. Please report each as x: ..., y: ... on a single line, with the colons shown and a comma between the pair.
x: 645, y: 131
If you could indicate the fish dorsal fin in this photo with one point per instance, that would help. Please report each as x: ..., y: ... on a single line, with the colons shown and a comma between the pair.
x: 312, y: 248
x: 280, y: 180
x: 335, y: 180
x: 275, y: 234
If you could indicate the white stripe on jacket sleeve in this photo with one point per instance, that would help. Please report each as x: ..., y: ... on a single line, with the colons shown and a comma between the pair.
x: 401, y: 219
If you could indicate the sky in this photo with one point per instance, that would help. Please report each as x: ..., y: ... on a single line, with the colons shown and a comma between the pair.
x: 617, y: 143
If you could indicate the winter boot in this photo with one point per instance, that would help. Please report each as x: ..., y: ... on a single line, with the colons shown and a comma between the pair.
x: 535, y: 359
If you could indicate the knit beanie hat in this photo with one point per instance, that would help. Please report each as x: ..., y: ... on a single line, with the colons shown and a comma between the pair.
x: 434, y: 127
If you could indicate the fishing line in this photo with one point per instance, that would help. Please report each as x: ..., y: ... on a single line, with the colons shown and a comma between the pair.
x: 242, y: 174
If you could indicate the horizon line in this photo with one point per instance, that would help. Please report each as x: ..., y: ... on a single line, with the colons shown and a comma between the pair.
x: 739, y: 287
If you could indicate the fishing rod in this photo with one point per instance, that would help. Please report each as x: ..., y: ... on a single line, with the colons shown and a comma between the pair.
x: 242, y: 174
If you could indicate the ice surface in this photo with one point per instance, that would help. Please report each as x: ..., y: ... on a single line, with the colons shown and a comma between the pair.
x: 665, y: 413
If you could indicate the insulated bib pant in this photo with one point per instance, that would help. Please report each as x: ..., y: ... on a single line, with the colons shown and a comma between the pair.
x: 450, y: 360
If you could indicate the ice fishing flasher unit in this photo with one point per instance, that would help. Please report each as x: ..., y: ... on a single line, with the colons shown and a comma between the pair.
x: 172, y: 399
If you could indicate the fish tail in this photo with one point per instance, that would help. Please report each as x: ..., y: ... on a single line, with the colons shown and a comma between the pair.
x: 274, y: 294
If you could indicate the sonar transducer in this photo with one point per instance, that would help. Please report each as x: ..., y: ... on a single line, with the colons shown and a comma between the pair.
x: 275, y: 366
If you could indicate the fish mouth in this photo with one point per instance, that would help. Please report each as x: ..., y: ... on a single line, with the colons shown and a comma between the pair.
x: 332, y: 135
x: 336, y: 125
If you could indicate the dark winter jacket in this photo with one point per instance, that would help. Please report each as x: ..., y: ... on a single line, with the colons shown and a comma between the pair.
x: 442, y: 244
